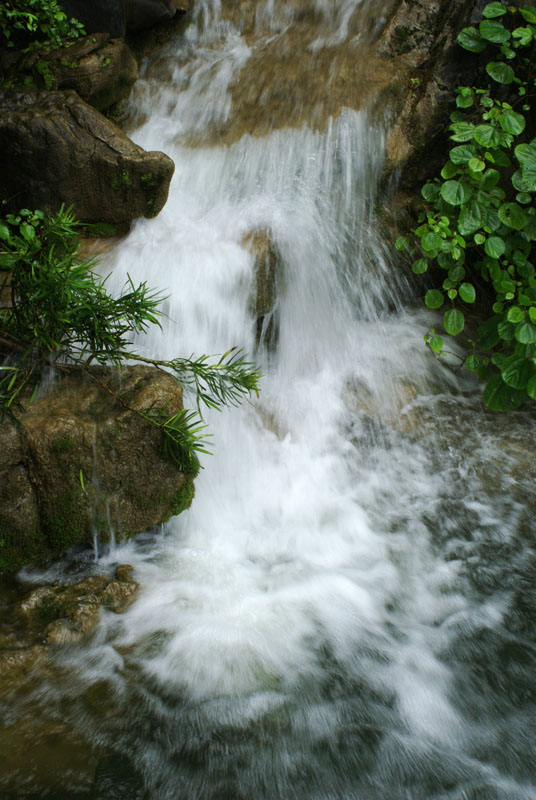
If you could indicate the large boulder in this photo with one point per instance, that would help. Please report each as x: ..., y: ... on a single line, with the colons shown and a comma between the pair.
x: 57, y: 150
x: 101, y: 70
x: 79, y: 465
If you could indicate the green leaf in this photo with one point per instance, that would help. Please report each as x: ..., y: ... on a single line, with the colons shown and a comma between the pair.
x: 493, y: 31
x: 511, y: 122
x: 434, y: 298
x: 529, y: 14
x: 453, y: 321
x: 531, y: 387
x: 449, y: 170
x: 489, y: 179
x: 526, y: 155
x: 488, y: 334
x: 525, y: 35
x: 501, y: 73
x: 523, y: 197
x: 431, y: 242
x: 493, y: 10
x: 402, y: 243
x: 476, y: 165
x: 467, y: 292
x: 487, y: 135
x: 419, y: 266
x: 506, y: 331
x: 525, y: 332
x: 517, y: 371
x: 495, y: 247
x: 430, y: 192
x: 515, y: 314
x: 4, y: 231
x: 512, y: 215
x: 462, y: 131
x: 464, y: 101
x: 462, y: 154
x: 435, y: 343
x: 500, y: 397
x: 470, y: 39
x: 455, y: 193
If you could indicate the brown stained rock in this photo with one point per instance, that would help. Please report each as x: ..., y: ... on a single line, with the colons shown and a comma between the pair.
x: 266, y: 266
x: 101, y: 70
x: 55, y: 149
x: 80, y: 463
x: 17, y: 663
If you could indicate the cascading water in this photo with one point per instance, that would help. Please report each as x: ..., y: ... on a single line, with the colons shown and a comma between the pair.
x: 345, y: 612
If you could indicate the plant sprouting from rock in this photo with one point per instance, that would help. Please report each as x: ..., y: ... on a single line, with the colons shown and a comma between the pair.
x: 55, y: 312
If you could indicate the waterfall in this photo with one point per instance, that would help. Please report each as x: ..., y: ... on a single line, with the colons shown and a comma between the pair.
x: 340, y: 614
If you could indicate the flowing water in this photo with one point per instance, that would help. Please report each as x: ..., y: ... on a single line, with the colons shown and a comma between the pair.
x: 347, y: 610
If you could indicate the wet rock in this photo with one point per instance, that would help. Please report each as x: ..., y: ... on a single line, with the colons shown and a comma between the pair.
x: 420, y: 39
x: 78, y: 429
x: 66, y: 613
x: 55, y: 149
x: 143, y: 14
x: 263, y: 303
x: 101, y: 70
x: 17, y: 663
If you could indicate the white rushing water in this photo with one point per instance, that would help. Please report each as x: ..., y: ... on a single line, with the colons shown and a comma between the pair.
x: 332, y: 617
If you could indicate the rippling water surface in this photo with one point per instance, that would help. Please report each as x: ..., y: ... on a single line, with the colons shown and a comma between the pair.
x: 348, y: 609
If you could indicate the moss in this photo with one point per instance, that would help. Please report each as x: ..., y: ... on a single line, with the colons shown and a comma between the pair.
x: 64, y: 445
x: 121, y: 182
x: 106, y: 62
x: 182, y: 499
x: 66, y: 525
x: 102, y: 230
x: 148, y: 187
x: 46, y: 71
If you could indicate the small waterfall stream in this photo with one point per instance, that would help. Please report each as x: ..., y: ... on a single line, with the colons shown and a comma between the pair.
x: 346, y: 611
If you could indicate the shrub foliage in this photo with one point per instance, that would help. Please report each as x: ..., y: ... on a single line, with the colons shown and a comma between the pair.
x: 479, y: 226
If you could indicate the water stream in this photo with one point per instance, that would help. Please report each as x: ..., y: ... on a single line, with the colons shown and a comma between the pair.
x: 347, y: 610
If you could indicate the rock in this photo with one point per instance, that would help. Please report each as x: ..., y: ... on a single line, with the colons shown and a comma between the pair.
x: 266, y: 266
x: 17, y: 663
x: 55, y: 149
x: 101, y: 70
x: 79, y: 464
x: 98, y: 16
x: 116, y: 16
x: 420, y: 39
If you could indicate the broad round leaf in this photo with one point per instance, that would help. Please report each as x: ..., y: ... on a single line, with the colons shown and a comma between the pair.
x: 436, y: 344
x: 453, y: 321
x: 455, y: 193
x: 419, y: 266
x: 511, y: 122
x: 500, y: 397
x: 487, y: 136
x: 430, y: 192
x: 467, y: 292
x: 525, y: 333
x: 462, y: 154
x: 488, y: 334
x: 531, y: 387
x: 462, y: 131
x: 476, y: 165
x: 494, y: 247
x: 501, y: 73
x: 402, y: 243
x: 529, y: 14
x: 515, y: 314
x: 470, y: 39
x: 493, y: 10
x: 516, y: 371
x: 493, y: 31
x: 434, y: 298
x: 512, y: 215
x: 526, y: 155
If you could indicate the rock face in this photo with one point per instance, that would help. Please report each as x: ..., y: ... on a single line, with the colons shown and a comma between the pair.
x: 116, y: 16
x: 101, y: 70
x: 421, y: 39
x: 80, y: 465
x: 55, y: 149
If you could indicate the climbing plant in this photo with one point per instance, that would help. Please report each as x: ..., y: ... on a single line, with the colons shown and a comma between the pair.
x: 479, y: 222
x: 55, y: 312
x: 30, y: 24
